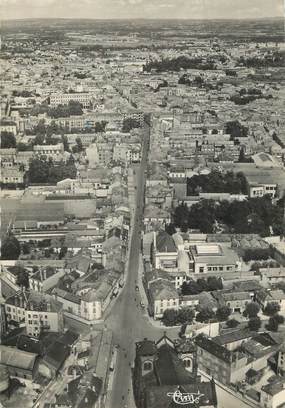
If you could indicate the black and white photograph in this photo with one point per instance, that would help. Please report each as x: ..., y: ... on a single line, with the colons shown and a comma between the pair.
x: 142, y: 214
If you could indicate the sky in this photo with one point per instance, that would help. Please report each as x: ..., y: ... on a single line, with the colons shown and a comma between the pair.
x: 113, y: 9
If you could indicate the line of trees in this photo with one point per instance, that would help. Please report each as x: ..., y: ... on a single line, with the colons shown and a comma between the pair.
x: 73, y: 108
x: 243, y: 100
x: 176, y: 64
x: 42, y: 129
x: 8, y: 140
x: 186, y: 315
x: 196, y: 81
x: 61, y: 111
x: 129, y: 124
x: 206, y: 315
x: 46, y: 171
x: 272, y: 309
x: 10, y: 248
x: 193, y: 287
x: 251, y: 216
x: 277, y: 59
x: 217, y: 182
x: 173, y: 317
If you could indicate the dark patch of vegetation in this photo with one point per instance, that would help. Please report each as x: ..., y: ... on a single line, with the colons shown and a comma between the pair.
x: 251, y: 216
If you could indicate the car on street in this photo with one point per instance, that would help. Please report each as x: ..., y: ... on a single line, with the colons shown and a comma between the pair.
x: 142, y: 305
x: 137, y: 288
x: 115, y: 293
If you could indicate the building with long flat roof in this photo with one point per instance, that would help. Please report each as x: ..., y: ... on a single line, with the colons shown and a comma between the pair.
x: 64, y: 98
x: 212, y: 257
x: 19, y: 363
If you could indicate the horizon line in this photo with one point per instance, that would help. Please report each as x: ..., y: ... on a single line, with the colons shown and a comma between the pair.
x: 145, y: 18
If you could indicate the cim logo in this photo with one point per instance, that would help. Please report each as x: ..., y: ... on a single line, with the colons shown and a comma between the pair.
x: 185, y: 398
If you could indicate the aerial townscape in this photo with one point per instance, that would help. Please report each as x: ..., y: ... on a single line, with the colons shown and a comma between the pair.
x: 142, y: 213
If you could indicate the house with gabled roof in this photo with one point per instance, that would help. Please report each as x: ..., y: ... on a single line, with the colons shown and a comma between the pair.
x: 162, y: 295
x: 164, y: 252
x: 265, y: 297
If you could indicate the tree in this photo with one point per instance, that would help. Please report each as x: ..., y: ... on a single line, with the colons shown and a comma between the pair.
x: 274, y: 321
x: 75, y: 108
x: 65, y: 143
x: 23, y: 278
x: 242, y: 157
x: 129, y: 124
x: 184, y: 80
x: 251, y: 216
x: 79, y: 144
x: 271, y: 309
x: 232, y: 323
x: 39, y: 170
x: 23, y: 147
x: 43, y: 171
x: 40, y: 128
x: 170, y: 229
x: 217, y: 182
x: 256, y: 254
x: 281, y: 285
x: 169, y: 317
x: 48, y: 252
x: 202, y: 284
x: 100, y: 126
x: 214, y: 283
x: 251, y: 310
x: 179, y: 63
x: 8, y: 140
x: 254, y: 324
x: 223, y: 313
x: 23, y: 94
x: 186, y: 315
x: 44, y: 243
x: 97, y: 265
x: 39, y: 139
x: 26, y: 248
x: 63, y: 252
x: 180, y: 217
x: 52, y: 129
x: 236, y: 130
x: 205, y: 315
x: 202, y: 216
x: 11, y: 248
x: 70, y: 161
x: 190, y: 288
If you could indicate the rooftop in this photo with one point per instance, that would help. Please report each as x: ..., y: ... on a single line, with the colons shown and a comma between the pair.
x: 213, y: 348
x: 17, y: 358
x: 214, y: 254
x: 146, y: 348
x: 169, y: 368
x: 162, y: 289
x: 234, y: 336
x: 41, y: 211
x: 34, y: 301
x: 275, y: 387
x: 165, y: 242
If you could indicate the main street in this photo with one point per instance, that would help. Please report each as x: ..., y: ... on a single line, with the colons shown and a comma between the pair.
x: 127, y: 319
